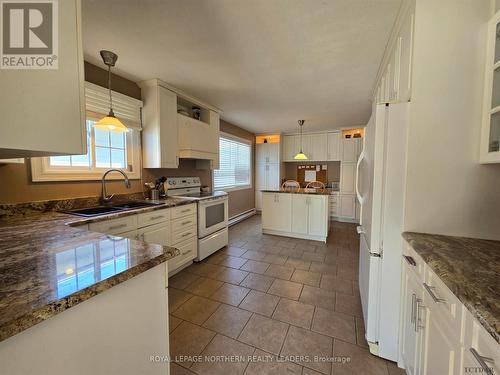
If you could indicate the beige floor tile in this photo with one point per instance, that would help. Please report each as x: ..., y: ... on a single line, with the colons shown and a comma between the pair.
x: 284, y: 288
x: 204, y: 269
x: 362, y: 362
x: 268, y: 364
x: 323, y: 268
x: 257, y: 282
x: 394, y: 369
x: 264, y: 333
x: 254, y: 255
x: 235, y: 251
x: 299, y: 264
x: 314, y: 257
x: 173, y: 322
x: 176, y: 298
x: 347, y: 272
x: 336, y: 284
x: 259, y: 302
x: 306, y: 277
x: 281, y: 272
x: 196, y: 310
x: 308, y: 371
x: 230, y: 275
x: 204, y: 287
x: 318, y: 297
x: 188, y: 340
x: 293, y: 312
x: 348, y: 304
x: 233, y: 262
x: 302, y: 342
x: 230, y: 294
x: 294, y: 253
x: 360, y: 333
x: 275, y: 259
x: 175, y: 369
x: 228, y: 320
x: 224, y: 347
x: 255, y: 266
x: 182, y: 280
x: 334, y: 324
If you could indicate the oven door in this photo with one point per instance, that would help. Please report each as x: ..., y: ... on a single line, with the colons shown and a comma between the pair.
x: 212, y: 216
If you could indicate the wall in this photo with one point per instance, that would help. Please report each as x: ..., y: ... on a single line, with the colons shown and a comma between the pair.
x: 448, y: 191
x: 333, y: 171
x: 241, y: 200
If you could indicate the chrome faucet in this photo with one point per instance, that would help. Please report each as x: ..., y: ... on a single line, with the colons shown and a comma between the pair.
x: 104, y: 195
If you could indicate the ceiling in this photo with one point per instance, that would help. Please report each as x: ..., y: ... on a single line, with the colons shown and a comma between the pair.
x: 265, y: 63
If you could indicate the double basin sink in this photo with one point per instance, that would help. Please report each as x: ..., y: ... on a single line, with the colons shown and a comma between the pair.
x: 111, y: 208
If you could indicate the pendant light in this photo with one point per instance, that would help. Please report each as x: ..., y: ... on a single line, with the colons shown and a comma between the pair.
x: 300, y: 155
x: 110, y: 122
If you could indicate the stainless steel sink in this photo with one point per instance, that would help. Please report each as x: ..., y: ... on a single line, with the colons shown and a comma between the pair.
x: 104, y: 210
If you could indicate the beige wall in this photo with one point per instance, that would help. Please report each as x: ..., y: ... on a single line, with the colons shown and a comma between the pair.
x: 241, y: 200
x: 448, y: 191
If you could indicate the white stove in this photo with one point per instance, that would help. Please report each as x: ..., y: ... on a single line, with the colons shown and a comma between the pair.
x: 212, y: 212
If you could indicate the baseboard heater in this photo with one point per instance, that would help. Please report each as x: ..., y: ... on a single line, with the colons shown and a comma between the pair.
x: 244, y: 215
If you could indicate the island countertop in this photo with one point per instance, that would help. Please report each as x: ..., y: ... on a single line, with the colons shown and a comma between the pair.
x: 300, y: 191
x: 470, y: 268
x: 35, y: 282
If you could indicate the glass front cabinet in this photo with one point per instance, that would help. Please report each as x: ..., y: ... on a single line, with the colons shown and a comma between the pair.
x: 490, y: 135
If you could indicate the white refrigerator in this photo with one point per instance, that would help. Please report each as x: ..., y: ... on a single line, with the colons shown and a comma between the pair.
x: 380, y: 189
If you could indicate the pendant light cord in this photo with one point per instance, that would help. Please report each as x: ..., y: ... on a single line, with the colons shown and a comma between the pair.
x: 110, y: 96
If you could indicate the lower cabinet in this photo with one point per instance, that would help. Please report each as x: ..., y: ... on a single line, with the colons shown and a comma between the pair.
x: 344, y: 207
x: 439, y: 335
x: 277, y: 211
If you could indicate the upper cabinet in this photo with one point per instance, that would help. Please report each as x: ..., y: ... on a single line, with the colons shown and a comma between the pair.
x: 289, y: 146
x: 267, y: 153
x: 176, y: 126
x: 490, y: 135
x: 334, y: 139
x: 394, y: 83
x: 317, y: 146
x: 42, y: 106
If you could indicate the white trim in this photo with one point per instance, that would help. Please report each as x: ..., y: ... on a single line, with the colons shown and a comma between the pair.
x: 125, y: 108
x: 235, y: 138
x: 240, y: 217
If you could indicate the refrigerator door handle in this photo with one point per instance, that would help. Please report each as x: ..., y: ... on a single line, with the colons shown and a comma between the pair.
x: 360, y: 159
x: 360, y: 229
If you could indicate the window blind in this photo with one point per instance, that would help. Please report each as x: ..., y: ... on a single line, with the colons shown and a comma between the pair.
x: 234, y: 164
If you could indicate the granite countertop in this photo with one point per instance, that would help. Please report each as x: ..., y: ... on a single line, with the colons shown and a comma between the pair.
x: 470, y: 268
x: 300, y: 191
x: 48, y: 266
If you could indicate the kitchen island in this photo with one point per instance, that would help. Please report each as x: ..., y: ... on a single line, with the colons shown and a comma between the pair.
x: 298, y: 213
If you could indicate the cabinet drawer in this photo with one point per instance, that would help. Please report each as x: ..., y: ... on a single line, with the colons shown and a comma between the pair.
x: 154, y: 217
x: 414, y: 261
x: 184, y: 235
x: 181, y: 211
x: 333, y: 199
x: 188, y: 251
x: 179, y: 225
x: 115, y: 226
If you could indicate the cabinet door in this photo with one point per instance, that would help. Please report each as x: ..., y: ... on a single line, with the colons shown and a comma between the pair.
x: 289, y: 147
x: 347, y: 206
x: 260, y: 183
x: 318, y: 147
x: 305, y: 145
x: 300, y: 213
x: 333, y: 152
x: 318, y: 215
x: 348, y: 178
x: 43, y: 110
x: 349, y: 150
x: 158, y: 234
x: 406, y: 41
x: 277, y: 212
x: 273, y: 176
x: 260, y: 153
x: 273, y: 153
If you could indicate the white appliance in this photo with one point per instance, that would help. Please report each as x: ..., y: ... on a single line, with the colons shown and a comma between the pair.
x: 380, y: 189
x: 212, y: 213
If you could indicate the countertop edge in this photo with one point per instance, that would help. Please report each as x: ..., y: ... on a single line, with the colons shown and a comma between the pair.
x: 471, y: 307
x: 49, y: 310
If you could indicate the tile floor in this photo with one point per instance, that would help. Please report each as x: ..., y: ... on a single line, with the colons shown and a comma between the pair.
x: 267, y: 296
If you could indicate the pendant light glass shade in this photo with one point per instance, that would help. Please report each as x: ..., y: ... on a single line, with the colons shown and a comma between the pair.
x: 110, y: 122
x: 300, y: 155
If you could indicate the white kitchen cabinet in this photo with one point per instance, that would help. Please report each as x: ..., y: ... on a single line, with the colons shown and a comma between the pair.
x: 333, y: 140
x: 300, y: 214
x: 160, y: 130
x: 350, y: 149
x: 267, y: 153
x: 41, y: 107
x: 406, y: 48
x: 198, y: 139
x: 347, y: 206
x: 158, y: 234
x: 310, y: 214
x: 277, y: 212
x: 490, y: 133
x: 290, y: 147
x: 317, y: 147
x: 348, y: 178
x: 305, y: 144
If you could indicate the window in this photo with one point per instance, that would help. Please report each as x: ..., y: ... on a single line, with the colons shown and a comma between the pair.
x: 105, y: 149
x: 235, y: 164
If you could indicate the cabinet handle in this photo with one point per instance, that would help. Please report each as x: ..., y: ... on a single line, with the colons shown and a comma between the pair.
x: 187, y: 210
x: 430, y: 290
x: 410, y: 260
x: 117, y: 226
x: 156, y: 217
x: 186, y: 252
x: 482, y: 361
x: 186, y: 222
x: 418, y: 321
x: 186, y: 234
x: 413, y: 298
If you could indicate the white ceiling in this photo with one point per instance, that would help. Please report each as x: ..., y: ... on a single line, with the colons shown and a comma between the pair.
x: 265, y: 63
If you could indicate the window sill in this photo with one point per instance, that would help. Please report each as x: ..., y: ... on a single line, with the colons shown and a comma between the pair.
x: 234, y: 188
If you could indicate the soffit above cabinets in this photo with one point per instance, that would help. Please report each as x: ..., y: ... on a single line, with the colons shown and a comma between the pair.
x: 264, y: 63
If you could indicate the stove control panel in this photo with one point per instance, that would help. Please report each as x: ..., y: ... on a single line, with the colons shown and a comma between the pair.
x: 182, y: 182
